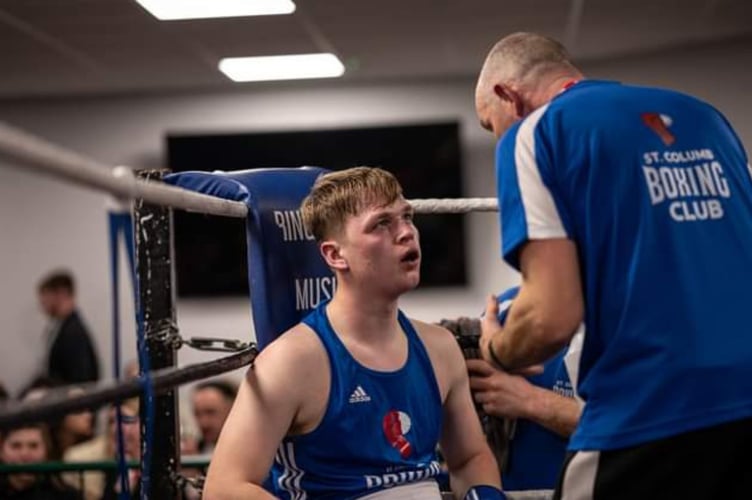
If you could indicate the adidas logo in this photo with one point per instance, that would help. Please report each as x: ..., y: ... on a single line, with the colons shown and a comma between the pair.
x: 359, y: 396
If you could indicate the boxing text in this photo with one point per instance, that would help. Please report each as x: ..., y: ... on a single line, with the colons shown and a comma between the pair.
x: 387, y: 480
x: 694, y: 192
x: 309, y: 292
x: 291, y: 224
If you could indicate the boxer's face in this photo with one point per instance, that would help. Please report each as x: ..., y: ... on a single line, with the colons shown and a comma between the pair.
x: 381, y: 247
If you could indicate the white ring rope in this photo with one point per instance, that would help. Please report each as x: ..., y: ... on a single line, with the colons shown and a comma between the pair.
x: 454, y: 205
x: 59, y: 162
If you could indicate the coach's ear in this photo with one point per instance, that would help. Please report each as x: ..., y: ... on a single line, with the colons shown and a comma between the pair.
x: 331, y: 251
x: 512, y: 97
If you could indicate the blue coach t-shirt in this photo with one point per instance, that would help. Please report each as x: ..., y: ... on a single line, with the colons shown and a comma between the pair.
x: 654, y: 188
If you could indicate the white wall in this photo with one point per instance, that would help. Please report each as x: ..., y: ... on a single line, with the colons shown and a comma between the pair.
x: 46, y: 223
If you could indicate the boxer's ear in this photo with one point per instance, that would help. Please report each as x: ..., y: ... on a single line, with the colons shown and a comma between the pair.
x: 332, y: 253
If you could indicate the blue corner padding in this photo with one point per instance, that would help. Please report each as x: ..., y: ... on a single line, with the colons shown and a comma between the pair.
x: 286, y: 273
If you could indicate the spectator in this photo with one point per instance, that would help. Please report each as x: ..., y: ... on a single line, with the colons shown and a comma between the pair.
x: 97, y: 485
x: 212, y: 401
x: 27, y: 445
x: 72, y: 429
x: 71, y: 356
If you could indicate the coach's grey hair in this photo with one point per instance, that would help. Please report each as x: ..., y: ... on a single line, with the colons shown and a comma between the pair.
x: 521, y: 59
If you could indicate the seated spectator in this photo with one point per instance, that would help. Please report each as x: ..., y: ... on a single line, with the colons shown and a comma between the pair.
x: 212, y: 401
x: 72, y: 429
x: 97, y: 485
x: 27, y: 445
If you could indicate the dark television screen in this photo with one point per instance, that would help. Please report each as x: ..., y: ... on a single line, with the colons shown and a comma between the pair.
x: 210, y: 251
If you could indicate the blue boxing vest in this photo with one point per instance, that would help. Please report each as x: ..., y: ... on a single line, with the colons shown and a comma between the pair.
x: 379, y: 430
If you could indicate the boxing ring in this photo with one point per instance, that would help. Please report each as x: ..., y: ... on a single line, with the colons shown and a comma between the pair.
x: 151, y: 199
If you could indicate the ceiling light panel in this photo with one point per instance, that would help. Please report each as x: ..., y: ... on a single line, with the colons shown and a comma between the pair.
x: 170, y: 10
x: 289, y: 67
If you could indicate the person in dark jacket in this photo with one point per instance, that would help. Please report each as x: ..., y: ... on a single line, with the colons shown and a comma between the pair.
x: 71, y: 355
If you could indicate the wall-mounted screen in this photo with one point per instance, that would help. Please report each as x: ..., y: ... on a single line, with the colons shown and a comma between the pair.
x: 210, y: 251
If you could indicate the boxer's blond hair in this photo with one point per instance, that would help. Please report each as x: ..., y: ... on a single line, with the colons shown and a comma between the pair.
x: 338, y: 195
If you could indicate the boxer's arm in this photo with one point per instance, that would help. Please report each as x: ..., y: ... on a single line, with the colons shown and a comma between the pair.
x: 469, y: 459
x: 555, y: 412
x: 505, y: 395
x: 547, y: 311
x: 264, y: 409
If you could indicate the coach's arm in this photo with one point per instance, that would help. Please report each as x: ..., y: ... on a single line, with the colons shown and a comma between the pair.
x: 546, y: 313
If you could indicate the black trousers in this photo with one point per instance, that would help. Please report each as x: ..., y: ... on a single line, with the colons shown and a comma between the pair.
x: 712, y: 463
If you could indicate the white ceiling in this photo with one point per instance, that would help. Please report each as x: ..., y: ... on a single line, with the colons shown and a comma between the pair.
x: 95, y: 47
